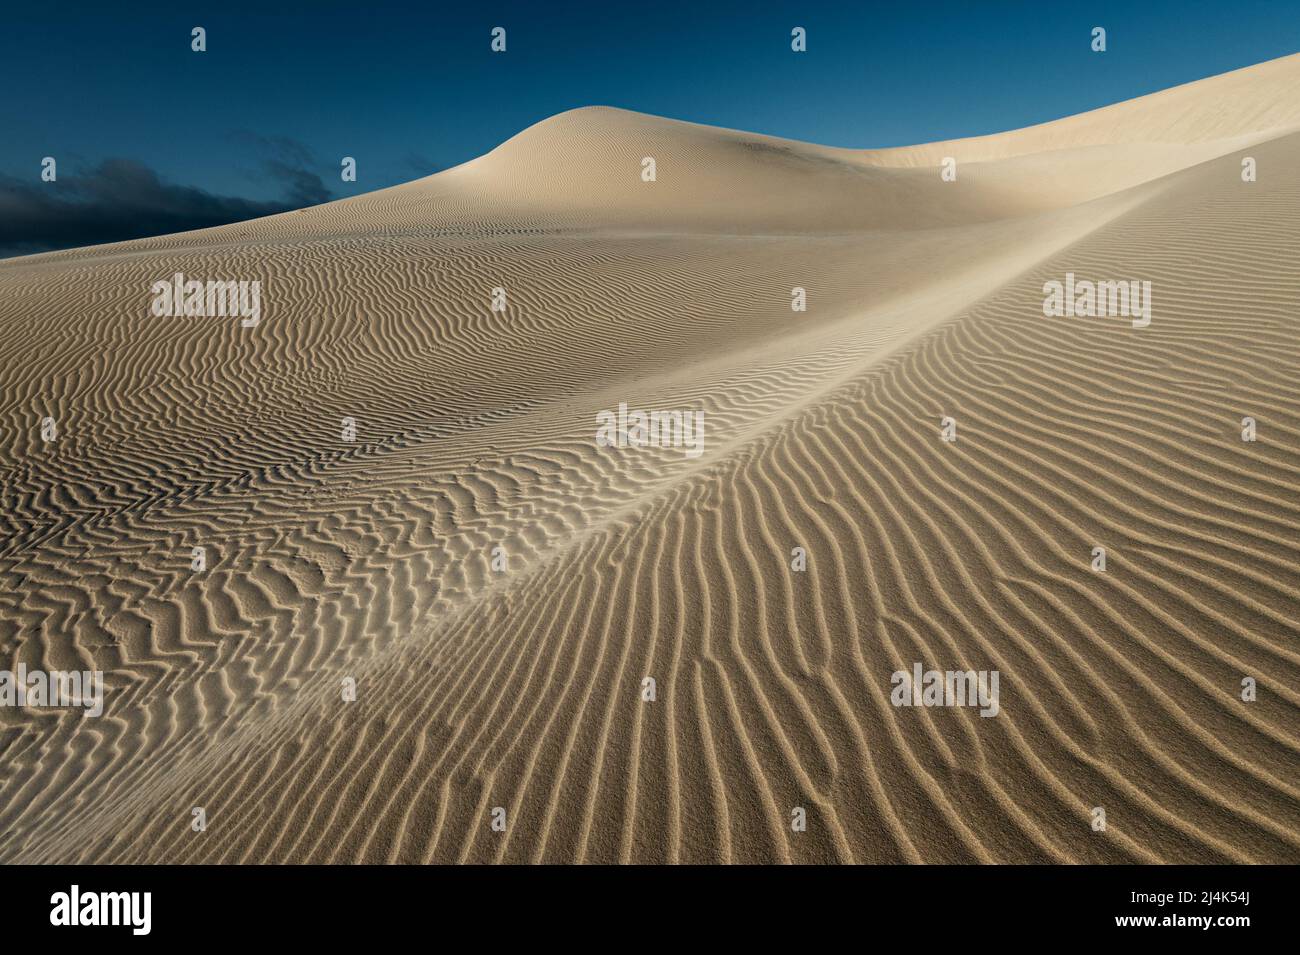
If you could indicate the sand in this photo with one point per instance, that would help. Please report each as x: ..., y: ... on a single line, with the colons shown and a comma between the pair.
x: 332, y: 563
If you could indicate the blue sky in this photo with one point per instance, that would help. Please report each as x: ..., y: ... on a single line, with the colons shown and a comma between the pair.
x: 261, y: 120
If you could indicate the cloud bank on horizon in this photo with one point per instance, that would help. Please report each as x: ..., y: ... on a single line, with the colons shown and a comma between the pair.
x: 122, y: 199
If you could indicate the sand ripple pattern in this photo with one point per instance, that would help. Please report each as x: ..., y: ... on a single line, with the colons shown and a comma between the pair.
x: 476, y: 689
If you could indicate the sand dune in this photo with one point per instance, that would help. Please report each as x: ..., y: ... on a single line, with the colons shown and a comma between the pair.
x: 522, y: 688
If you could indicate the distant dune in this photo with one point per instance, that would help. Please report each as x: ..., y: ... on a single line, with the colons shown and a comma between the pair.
x: 498, y: 587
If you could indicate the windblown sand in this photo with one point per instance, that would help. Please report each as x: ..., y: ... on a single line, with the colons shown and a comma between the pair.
x: 522, y: 689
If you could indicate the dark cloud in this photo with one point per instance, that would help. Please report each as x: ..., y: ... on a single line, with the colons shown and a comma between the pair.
x: 125, y: 199
x: 287, y: 162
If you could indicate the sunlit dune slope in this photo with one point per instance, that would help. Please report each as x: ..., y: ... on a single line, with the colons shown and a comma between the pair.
x: 498, y: 588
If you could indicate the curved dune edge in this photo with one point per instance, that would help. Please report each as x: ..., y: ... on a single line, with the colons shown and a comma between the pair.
x: 522, y: 690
